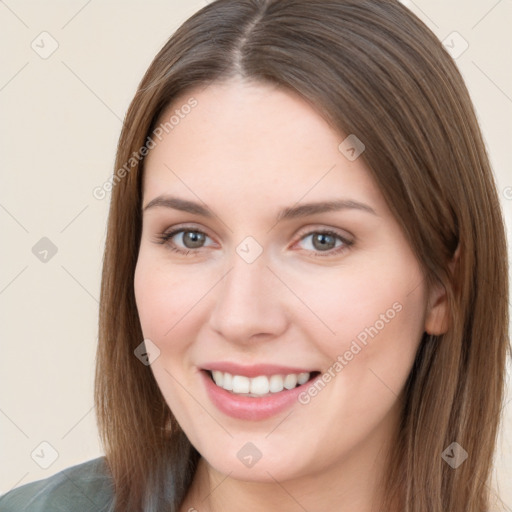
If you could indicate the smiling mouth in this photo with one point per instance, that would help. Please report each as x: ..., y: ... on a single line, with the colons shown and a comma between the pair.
x: 260, y: 386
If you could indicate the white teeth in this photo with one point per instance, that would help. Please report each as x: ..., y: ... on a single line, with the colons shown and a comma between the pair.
x: 228, y: 382
x: 241, y: 384
x: 290, y: 381
x: 302, y: 378
x: 218, y: 377
x: 258, y: 386
x: 276, y: 383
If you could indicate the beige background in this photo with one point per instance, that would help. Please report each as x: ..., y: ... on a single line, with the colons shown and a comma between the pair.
x: 61, y: 118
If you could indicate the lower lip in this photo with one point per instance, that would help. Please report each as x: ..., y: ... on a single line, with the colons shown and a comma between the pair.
x: 251, y: 408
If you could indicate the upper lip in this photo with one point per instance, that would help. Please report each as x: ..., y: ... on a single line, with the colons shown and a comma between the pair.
x: 254, y: 370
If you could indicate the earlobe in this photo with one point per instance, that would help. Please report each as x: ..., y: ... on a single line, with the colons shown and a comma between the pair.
x: 437, y: 320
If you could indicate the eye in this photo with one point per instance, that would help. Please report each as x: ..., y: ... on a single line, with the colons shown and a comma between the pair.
x: 190, y: 238
x: 324, y: 242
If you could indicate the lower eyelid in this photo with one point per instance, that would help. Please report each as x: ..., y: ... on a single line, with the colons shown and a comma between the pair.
x: 335, y: 251
x: 166, y: 238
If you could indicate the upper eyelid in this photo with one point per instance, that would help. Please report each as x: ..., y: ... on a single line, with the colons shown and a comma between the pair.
x: 306, y: 231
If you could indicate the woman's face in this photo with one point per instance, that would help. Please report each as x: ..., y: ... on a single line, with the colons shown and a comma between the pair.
x: 251, y: 289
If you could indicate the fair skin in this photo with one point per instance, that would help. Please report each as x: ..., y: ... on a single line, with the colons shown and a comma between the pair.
x: 246, y: 151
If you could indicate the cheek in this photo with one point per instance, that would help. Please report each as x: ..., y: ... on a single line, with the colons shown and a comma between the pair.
x: 369, y: 322
x: 164, y: 300
x: 363, y: 301
x: 374, y: 366
x: 163, y: 297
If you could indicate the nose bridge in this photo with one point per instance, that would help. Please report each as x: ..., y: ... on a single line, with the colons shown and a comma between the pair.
x: 247, y: 302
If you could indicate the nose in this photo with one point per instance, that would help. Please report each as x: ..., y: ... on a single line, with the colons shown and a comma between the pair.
x: 249, y: 303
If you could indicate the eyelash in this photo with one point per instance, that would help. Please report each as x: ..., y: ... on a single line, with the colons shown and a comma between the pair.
x: 164, y: 238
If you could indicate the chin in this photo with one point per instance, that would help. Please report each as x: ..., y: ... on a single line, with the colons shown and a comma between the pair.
x: 268, y: 468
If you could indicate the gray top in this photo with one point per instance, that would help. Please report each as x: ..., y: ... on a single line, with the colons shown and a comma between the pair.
x: 86, y: 487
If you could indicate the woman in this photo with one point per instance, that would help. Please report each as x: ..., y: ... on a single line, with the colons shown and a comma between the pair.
x: 321, y: 338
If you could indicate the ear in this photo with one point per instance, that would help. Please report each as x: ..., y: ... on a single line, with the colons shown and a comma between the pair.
x: 437, y: 319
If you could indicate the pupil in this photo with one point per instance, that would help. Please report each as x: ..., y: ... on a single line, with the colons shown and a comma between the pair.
x: 321, y: 238
x: 194, y: 238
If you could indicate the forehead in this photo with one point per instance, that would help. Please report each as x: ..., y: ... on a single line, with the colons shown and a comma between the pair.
x: 250, y: 143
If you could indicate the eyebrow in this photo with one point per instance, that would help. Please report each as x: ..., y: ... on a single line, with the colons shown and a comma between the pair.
x: 292, y: 212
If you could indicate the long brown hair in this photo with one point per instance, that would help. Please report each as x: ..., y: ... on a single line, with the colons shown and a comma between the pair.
x: 372, y: 69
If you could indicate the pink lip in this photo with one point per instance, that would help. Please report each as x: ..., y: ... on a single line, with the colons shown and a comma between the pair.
x: 252, y: 408
x: 253, y: 370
